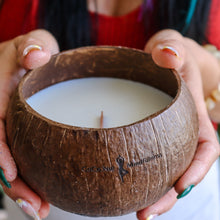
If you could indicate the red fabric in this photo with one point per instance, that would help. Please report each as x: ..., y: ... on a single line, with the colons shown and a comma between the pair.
x: 127, y: 30
x: 215, y: 125
x: 17, y: 17
x: 214, y: 22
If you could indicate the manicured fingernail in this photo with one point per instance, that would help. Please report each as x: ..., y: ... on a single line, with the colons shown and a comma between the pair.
x: 150, y: 217
x: 3, y: 179
x: 27, y: 208
x: 171, y: 51
x: 31, y: 48
x: 185, y: 192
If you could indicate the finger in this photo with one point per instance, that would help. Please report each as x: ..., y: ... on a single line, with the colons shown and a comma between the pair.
x: 206, y: 154
x: 208, y: 147
x: 35, y: 48
x: 169, y: 50
x: 44, y: 209
x: 161, y: 206
x: 7, y: 163
x: 27, y: 199
x: 6, y: 87
x: 187, y: 66
x: 166, y: 49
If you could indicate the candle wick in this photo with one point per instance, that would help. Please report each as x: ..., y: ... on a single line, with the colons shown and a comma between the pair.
x: 101, y: 120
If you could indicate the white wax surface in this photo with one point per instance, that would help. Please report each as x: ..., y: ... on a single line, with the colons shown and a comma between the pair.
x: 79, y: 102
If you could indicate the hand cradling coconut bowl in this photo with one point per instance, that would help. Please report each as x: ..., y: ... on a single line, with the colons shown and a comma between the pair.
x: 103, y: 171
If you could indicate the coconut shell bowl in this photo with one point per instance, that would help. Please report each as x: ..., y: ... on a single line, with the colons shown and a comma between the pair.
x: 103, y: 171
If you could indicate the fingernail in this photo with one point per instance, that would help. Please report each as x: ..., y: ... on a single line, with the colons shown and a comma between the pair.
x: 27, y: 208
x: 3, y: 179
x: 150, y: 217
x: 171, y: 51
x: 185, y: 192
x: 31, y: 48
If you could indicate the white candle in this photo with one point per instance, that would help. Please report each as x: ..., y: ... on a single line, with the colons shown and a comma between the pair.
x: 79, y: 102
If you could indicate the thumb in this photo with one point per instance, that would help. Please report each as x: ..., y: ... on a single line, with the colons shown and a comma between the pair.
x: 167, y: 49
x: 35, y: 48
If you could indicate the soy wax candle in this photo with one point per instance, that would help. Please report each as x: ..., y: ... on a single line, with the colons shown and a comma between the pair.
x: 90, y: 171
x: 84, y: 102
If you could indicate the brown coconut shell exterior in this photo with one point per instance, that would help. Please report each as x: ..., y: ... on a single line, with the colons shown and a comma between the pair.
x: 110, y: 171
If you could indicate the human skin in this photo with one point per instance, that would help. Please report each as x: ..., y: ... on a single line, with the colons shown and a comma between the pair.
x: 182, y: 55
x: 195, y: 65
x: 13, y: 66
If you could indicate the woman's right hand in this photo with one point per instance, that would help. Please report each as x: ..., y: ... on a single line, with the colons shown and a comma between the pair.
x: 16, y: 57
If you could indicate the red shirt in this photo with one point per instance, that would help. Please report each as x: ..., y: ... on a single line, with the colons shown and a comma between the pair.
x: 127, y: 30
x: 20, y: 16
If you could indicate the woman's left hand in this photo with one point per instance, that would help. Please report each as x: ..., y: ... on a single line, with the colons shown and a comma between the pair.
x: 201, y: 72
